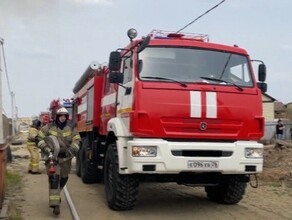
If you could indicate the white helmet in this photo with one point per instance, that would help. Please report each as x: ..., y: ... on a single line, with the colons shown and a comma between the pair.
x: 62, y: 111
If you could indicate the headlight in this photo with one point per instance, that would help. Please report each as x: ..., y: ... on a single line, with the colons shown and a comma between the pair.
x: 254, y: 153
x: 144, y: 151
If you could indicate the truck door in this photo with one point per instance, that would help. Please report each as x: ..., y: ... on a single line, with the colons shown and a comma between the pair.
x: 125, y: 92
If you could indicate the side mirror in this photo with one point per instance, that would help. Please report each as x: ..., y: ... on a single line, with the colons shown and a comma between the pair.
x: 114, y: 61
x: 262, y: 71
x: 116, y: 77
x: 263, y: 86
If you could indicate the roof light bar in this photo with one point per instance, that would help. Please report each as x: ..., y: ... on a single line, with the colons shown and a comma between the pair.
x: 172, y: 34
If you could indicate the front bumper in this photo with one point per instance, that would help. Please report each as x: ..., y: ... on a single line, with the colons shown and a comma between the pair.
x: 231, y: 161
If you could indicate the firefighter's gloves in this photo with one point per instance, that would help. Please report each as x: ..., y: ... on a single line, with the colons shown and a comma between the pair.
x: 70, y: 152
x: 37, y: 140
x: 47, y: 150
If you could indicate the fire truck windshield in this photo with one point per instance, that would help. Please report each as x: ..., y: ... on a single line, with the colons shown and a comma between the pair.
x: 188, y: 65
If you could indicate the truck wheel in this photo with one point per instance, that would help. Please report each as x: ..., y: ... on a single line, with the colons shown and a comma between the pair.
x: 89, y: 171
x: 229, y: 191
x: 121, y: 190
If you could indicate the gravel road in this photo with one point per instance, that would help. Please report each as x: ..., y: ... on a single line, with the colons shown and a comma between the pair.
x: 156, y: 201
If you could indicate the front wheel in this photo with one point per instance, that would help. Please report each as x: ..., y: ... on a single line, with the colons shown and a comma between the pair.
x: 121, y: 190
x: 230, y: 190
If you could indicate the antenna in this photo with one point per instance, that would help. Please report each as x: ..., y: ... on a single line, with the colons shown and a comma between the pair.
x: 200, y: 16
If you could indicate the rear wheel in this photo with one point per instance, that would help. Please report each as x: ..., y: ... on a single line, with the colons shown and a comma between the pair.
x: 229, y: 191
x: 121, y: 190
x: 88, y: 167
x: 78, y: 163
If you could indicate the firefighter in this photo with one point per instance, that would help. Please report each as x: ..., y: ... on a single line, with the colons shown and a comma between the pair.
x: 68, y: 143
x: 33, y: 166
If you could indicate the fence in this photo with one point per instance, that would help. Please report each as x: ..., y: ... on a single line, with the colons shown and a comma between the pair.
x: 3, y: 161
x: 7, y: 131
x: 270, y: 130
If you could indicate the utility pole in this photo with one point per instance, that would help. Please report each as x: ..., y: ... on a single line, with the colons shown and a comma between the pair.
x: 12, y: 95
x: 2, y: 141
x: 12, y: 112
x: 16, y: 118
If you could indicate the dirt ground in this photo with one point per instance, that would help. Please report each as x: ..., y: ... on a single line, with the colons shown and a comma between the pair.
x: 272, y: 199
x: 277, y: 165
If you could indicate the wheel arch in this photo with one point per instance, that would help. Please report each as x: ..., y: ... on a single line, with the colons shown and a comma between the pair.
x: 122, y: 151
x: 116, y: 126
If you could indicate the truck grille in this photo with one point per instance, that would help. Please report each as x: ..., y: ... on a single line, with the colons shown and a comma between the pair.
x: 201, y: 153
x: 193, y: 126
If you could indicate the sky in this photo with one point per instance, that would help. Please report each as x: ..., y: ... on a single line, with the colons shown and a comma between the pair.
x: 48, y: 44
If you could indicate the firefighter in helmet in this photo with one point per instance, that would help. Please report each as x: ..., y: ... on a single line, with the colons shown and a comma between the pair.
x: 33, y: 166
x: 68, y: 145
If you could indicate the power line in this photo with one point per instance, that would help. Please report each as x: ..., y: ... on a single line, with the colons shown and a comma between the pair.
x: 201, y: 16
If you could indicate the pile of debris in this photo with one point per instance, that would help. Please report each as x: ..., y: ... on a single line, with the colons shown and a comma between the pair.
x: 278, y: 163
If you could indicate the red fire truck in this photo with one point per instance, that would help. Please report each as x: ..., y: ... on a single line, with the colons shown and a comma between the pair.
x: 44, y: 117
x: 171, y: 107
x: 56, y: 104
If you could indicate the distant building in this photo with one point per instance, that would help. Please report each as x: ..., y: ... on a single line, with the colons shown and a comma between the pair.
x: 289, y: 111
x: 280, y: 110
x: 23, y: 127
x: 22, y: 124
x: 272, y: 111
x: 7, y: 126
x: 268, y: 107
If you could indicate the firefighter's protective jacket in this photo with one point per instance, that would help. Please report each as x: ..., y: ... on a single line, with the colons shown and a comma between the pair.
x: 68, y: 137
x: 32, y: 133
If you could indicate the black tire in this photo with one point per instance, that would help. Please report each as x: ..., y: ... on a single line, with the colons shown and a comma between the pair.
x: 78, y: 163
x: 121, y: 190
x: 88, y: 167
x: 229, y: 191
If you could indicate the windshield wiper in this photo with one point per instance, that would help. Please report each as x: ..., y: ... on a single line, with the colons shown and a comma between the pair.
x: 225, y: 66
x: 221, y: 80
x: 162, y: 78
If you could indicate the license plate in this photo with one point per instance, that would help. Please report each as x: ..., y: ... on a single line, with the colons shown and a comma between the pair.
x: 203, y: 164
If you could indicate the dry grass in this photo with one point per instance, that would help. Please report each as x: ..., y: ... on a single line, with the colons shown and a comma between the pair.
x: 13, y: 194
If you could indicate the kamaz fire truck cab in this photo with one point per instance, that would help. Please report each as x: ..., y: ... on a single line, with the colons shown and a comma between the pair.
x: 175, y: 107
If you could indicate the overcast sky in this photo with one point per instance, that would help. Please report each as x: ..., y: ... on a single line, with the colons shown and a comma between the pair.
x: 49, y: 43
